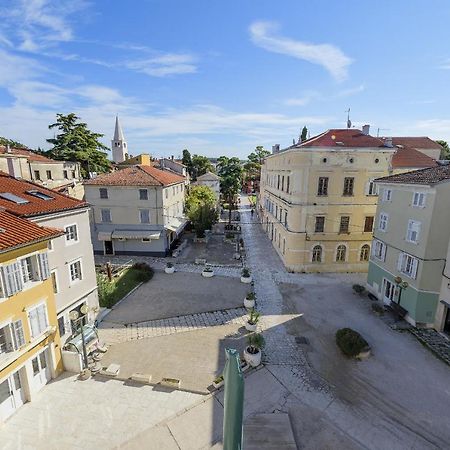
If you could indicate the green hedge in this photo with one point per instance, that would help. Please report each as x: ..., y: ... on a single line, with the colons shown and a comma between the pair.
x: 350, y: 342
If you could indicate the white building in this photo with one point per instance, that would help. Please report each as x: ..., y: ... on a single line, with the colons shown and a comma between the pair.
x: 118, y: 144
x: 211, y: 180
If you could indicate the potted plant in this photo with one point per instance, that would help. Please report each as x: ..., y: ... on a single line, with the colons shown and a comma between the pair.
x: 169, y: 268
x: 245, y: 276
x: 208, y: 272
x: 252, y: 321
x: 218, y: 382
x: 249, y: 300
x: 252, y: 353
x: 359, y: 289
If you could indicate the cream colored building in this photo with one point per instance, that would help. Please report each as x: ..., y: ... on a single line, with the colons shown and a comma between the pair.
x: 211, y: 180
x: 317, y: 198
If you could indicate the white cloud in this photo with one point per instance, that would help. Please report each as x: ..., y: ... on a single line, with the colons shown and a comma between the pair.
x: 309, y: 96
x: 328, y: 56
x: 164, y: 65
x: 350, y: 91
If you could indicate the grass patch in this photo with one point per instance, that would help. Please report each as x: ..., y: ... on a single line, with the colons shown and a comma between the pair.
x: 109, y: 293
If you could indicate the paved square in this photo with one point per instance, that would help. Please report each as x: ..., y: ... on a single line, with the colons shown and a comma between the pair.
x: 179, y: 294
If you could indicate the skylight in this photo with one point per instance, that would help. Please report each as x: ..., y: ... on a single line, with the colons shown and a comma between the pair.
x: 40, y: 195
x: 13, y: 198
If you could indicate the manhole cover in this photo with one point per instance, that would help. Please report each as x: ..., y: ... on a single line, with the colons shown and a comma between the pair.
x: 301, y: 340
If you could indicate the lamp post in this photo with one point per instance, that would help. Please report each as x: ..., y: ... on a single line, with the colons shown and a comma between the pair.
x: 401, y: 286
x: 76, y: 318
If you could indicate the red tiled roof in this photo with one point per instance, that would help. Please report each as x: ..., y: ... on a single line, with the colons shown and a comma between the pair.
x: 137, y: 176
x: 408, y: 157
x: 17, y: 232
x: 417, y: 142
x: 430, y: 175
x: 31, y: 156
x: 35, y: 206
x: 348, y: 137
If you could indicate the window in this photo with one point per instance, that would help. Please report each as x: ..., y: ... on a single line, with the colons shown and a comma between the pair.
x: 348, y: 186
x: 38, y: 319
x: 14, y: 198
x: 320, y: 224
x: 29, y: 269
x: 71, y: 233
x: 372, y: 188
x: 387, y: 195
x: 12, y: 277
x: 54, y: 281
x: 282, y: 183
x: 379, y: 250
x: 278, y: 182
x: 74, y: 174
x: 173, y: 190
x: 103, y: 193
x: 61, y: 326
x: 144, y: 215
x: 341, y: 253
x: 419, y: 199
x: 407, y: 264
x: 75, y: 271
x: 41, y: 195
x: 317, y: 254
x: 322, y: 188
x: 368, y: 224
x: 287, y: 184
x: 365, y: 252
x: 106, y: 215
x: 285, y: 218
x: 65, y: 174
x: 18, y: 334
x: 412, y: 232
x: 383, y: 223
x: 49, y: 174
x: 50, y: 246
x: 37, y: 175
x: 343, y: 226
x: 143, y: 194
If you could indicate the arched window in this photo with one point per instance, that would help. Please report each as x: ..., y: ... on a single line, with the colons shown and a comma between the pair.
x: 340, y: 253
x: 317, y: 254
x: 365, y: 252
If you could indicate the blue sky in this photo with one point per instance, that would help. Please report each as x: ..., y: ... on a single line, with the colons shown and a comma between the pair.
x: 221, y: 77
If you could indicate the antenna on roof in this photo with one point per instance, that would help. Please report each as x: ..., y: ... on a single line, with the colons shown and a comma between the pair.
x: 381, y: 129
x: 349, y: 122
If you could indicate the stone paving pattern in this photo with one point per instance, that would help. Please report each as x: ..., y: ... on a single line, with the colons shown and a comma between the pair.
x: 437, y: 343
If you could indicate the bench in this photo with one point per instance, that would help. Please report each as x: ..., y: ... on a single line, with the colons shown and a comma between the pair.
x: 399, y: 311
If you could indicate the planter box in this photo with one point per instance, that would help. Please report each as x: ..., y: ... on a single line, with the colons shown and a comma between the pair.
x: 249, y: 304
x: 253, y: 360
x: 218, y: 385
x: 207, y: 274
x: 246, y: 280
x: 141, y: 377
x: 250, y: 327
x: 169, y: 269
x: 171, y: 382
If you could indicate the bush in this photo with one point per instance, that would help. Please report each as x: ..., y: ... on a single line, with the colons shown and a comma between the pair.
x: 350, y: 342
x: 245, y: 272
x: 359, y: 289
x: 169, y: 265
x: 377, y: 308
x: 145, y: 272
x: 251, y: 296
x: 254, y: 317
x: 255, y: 342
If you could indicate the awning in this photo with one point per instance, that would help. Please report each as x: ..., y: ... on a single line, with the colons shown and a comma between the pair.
x: 177, y: 226
x: 136, y: 234
x: 104, y: 236
x: 446, y: 303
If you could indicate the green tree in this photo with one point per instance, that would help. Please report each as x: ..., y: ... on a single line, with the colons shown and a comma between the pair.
x: 187, y: 160
x: 253, y: 166
x: 230, y: 172
x: 201, y: 209
x: 13, y: 144
x: 304, y: 134
x: 445, y: 152
x: 76, y: 142
x: 200, y: 165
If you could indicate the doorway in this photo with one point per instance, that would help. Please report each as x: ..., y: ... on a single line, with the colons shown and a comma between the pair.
x: 388, y: 291
x: 109, y: 247
x: 41, y: 370
x: 11, y: 395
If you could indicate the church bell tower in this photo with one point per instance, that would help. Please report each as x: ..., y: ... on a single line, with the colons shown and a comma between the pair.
x: 118, y: 144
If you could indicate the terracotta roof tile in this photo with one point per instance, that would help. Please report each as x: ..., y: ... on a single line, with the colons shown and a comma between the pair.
x: 137, y: 176
x: 31, y: 156
x: 408, y: 157
x: 17, y: 232
x: 33, y: 206
x: 349, y: 137
x: 430, y: 175
x: 417, y: 142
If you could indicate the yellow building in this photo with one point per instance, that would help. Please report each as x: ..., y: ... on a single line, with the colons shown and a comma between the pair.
x: 30, y: 353
x: 317, y: 198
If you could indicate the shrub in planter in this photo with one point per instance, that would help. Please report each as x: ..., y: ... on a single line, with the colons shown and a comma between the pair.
x: 253, y: 320
x: 169, y: 268
x: 241, y: 242
x: 252, y: 353
x: 218, y: 381
x: 208, y: 272
x: 249, y: 301
x: 145, y: 272
x: 377, y: 309
x: 351, y: 342
x: 245, y: 276
x: 359, y: 289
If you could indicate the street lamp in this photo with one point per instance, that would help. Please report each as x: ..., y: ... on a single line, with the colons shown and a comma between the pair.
x: 77, y: 319
x: 401, y: 286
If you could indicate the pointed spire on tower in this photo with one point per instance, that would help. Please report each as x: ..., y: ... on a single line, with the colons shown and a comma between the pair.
x: 118, y: 133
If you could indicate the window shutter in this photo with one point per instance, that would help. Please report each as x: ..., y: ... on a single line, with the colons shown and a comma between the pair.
x: 414, y: 268
x: 383, y: 252
x: 6, y: 281
x: 19, y: 337
x: 43, y: 266
x: 34, y: 322
x: 400, y: 261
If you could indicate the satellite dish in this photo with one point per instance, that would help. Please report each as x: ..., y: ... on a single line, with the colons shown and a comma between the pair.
x: 73, y: 315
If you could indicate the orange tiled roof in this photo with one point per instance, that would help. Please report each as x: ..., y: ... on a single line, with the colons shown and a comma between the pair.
x: 429, y: 176
x: 33, y: 206
x: 137, y: 176
x: 410, y: 157
x: 17, y: 232
x: 417, y: 142
x: 348, y: 137
x: 31, y: 156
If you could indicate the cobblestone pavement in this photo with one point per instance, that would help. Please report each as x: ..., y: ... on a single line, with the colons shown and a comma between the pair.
x: 437, y: 343
x: 160, y: 264
x: 281, y: 350
x: 113, y: 333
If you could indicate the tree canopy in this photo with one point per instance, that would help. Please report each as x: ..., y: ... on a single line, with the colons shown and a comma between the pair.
x: 230, y: 172
x: 200, y: 165
x: 187, y: 160
x: 445, y: 153
x: 253, y: 166
x: 201, y: 208
x: 304, y: 134
x: 76, y: 142
x: 13, y: 144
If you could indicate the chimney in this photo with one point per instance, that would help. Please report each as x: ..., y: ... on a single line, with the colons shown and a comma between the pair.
x: 8, y: 148
x: 365, y: 129
x: 388, y: 142
x: 276, y: 148
x: 172, y: 157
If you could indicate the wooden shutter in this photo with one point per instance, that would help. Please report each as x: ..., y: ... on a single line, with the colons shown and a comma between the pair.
x: 400, y: 261
x: 18, y: 334
x: 414, y: 268
x: 383, y: 252
x: 43, y: 266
